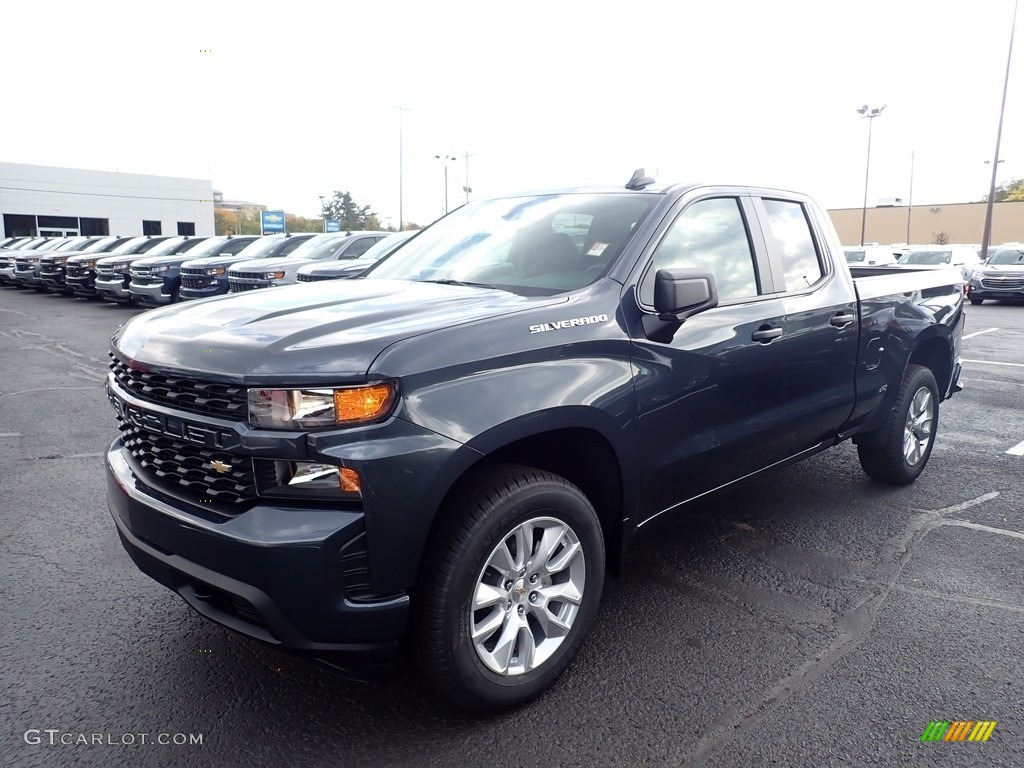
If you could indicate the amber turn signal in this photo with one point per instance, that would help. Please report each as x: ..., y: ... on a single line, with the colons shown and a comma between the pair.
x: 362, y: 403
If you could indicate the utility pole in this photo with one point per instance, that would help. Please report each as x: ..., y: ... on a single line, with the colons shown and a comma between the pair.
x: 467, y: 189
x: 910, y: 198
x: 445, y: 160
x: 987, y: 237
x: 870, y: 114
x: 401, y: 176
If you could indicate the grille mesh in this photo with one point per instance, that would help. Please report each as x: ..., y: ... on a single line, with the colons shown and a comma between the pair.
x: 223, y: 400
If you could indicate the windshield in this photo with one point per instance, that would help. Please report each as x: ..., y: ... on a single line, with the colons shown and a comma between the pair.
x: 319, y: 247
x: 135, y: 245
x: 259, y: 249
x: 206, y: 248
x: 1008, y: 256
x: 167, y: 247
x: 50, y: 245
x: 529, y: 245
x: 100, y: 246
x: 927, y: 257
x: 854, y: 257
x: 72, y: 245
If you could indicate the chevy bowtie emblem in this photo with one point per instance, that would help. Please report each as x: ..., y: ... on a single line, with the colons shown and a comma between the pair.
x: 220, y: 466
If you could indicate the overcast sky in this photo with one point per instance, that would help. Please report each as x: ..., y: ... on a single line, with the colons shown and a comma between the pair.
x: 280, y: 102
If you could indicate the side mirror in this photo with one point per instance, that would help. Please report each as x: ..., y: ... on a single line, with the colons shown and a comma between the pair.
x: 680, y: 293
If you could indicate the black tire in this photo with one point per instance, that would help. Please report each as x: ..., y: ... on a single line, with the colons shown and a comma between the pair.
x: 976, y: 301
x: 884, y: 458
x: 482, y: 513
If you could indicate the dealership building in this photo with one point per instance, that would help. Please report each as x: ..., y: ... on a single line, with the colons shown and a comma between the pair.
x: 49, y: 201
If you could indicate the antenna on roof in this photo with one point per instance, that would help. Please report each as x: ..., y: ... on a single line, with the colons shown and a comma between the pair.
x: 639, y: 180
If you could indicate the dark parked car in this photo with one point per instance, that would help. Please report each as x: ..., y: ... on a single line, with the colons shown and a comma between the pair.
x: 157, y: 279
x: 345, y: 268
x: 114, y: 275
x: 9, y: 254
x: 26, y: 262
x: 282, y: 270
x: 205, y: 277
x: 450, y: 452
x: 52, y: 265
x: 80, y: 271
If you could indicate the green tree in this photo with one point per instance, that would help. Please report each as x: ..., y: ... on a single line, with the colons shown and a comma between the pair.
x: 295, y: 223
x: 1010, y: 191
x: 353, y: 217
x: 410, y: 225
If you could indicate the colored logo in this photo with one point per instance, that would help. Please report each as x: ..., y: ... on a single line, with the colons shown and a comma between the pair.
x: 958, y: 730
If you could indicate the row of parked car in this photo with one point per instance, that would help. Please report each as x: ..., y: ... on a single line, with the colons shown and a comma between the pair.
x: 155, y: 270
x: 1001, y: 276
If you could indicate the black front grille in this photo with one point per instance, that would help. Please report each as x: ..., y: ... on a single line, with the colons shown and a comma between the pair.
x: 143, y: 279
x: 52, y: 270
x: 239, y: 287
x: 77, y: 270
x: 190, y: 470
x: 304, y: 278
x: 22, y: 264
x: 194, y: 278
x: 248, y: 275
x: 225, y: 400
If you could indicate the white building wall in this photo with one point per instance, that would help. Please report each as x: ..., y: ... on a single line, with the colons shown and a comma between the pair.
x: 124, y: 199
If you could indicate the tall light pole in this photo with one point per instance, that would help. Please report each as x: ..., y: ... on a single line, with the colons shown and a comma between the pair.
x: 870, y: 113
x: 445, y: 159
x: 401, y: 177
x: 987, y: 237
x: 323, y: 211
x: 910, y: 197
x: 467, y: 189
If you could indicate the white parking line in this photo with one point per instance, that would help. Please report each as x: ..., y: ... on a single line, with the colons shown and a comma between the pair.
x: 1017, y: 450
x: 993, y: 362
x: 986, y: 528
x: 978, y: 333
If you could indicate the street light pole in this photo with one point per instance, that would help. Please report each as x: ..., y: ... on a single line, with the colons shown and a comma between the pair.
x: 401, y: 176
x: 870, y: 114
x: 467, y: 189
x: 445, y: 160
x: 323, y: 211
x: 910, y: 197
x: 987, y: 237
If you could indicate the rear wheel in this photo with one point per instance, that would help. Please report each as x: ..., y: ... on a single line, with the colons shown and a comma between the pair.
x: 908, y: 437
x: 509, y: 588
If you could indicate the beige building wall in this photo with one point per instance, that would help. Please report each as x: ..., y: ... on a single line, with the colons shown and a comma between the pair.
x: 962, y: 223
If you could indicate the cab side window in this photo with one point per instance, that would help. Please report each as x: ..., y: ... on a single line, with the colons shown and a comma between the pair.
x: 711, y: 235
x: 234, y: 246
x: 790, y: 230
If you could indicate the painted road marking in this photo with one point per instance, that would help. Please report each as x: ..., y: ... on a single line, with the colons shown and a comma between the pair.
x: 10, y: 434
x: 993, y: 362
x: 1017, y: 450
x: 979, y: 527
x: 978, y: 333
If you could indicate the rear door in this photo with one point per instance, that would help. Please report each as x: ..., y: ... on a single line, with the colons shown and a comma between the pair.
x: 711, y: 399
x: 820, y: 309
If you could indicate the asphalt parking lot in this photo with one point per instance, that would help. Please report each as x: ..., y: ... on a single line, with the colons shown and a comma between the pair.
x: 808, y: 617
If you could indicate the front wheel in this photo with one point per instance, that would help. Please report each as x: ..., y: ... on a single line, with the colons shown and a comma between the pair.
x: 976, y: 301
x: 908, y: 437
x: 509, y: 587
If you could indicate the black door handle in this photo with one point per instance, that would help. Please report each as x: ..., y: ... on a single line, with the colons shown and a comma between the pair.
x: 842, y: 318
x: 765, y: 334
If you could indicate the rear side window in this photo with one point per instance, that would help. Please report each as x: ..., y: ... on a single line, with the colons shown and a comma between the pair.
x: 790, y: 230
x: 712, y: 235
x: 291, y: 245
x: 234, y: 246
x: 361, y: 247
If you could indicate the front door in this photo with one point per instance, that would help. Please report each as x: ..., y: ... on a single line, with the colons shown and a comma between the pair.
x: 711, y: 400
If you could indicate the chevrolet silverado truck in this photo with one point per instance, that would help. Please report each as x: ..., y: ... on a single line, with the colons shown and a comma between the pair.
x: 203, y: 277
x: 52, y: 266
x: 81, y: 271
x: 157, y: 279
x: 448, y: 454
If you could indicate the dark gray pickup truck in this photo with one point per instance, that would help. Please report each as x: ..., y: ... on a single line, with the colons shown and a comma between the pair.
x: 451, y: 452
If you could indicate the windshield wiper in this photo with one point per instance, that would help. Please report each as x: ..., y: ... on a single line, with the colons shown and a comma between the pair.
x: 448, y: 281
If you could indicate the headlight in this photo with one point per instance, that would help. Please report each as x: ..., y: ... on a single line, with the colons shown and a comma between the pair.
x: 158, y: 270
x: 308, y: 408
x: 215, y: 271
x: 273, y: 275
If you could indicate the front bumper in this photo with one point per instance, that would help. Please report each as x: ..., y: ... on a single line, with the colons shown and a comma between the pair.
x: 54, y: 281
x: 26, y: 277
x: 7, y: 275
x: 113, y: 290
x: 82, y: 285
x: 155, y: 293
x: 981, y: 292
x: 273, y: 573
x: 218, y: 288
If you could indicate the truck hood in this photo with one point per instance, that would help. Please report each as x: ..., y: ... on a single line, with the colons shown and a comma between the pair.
x: 339, y: 267
x: 154, y: 261
x: 1000, y: 269
x: 304, y: 334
